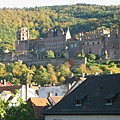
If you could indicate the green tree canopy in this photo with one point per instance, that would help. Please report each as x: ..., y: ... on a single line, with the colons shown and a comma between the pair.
x: 53, y: 77
x: 41, y: 76
x: 91, y: 57
x: 50, y: 54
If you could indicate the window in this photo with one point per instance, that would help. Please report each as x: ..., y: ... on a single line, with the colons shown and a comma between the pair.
x: 78, y: 103
x: 71, y: 45
x: 108, y: 102
x: 75, y: 45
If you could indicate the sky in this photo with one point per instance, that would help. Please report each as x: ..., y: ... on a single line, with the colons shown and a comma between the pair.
x: 38, y: 3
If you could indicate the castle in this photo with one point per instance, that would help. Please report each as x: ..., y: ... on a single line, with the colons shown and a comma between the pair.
x: 55, y: 40
x: 104, y: 43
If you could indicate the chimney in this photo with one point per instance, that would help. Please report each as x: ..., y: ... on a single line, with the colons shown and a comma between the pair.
x: 27, y: 91
x: 1, y: 81
x: 49, y: 94
x: 4, y: 82
x: 83, y: 74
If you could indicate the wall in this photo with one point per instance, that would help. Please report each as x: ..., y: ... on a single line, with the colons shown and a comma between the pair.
x: 76, y: 62
x: 82, y: 117
x: 43, y: 92
x: 6, y: 56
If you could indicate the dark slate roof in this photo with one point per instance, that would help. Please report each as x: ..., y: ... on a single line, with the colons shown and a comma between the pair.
x: 93, y: 94
x: 70, y: 80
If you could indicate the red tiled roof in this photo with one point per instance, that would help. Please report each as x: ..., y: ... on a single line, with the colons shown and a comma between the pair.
x: 7, y: 92
x: 6, y: 84
x: 56, y: 99
x: 38, y: 105
x: 10, y: 88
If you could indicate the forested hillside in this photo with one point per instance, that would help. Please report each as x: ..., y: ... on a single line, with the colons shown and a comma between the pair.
x: 79, y: 17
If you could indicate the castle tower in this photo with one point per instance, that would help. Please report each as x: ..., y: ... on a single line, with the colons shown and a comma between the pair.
x: 22, y: 34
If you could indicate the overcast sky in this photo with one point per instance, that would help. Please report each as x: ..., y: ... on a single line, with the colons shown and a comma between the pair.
x: 34, y: 3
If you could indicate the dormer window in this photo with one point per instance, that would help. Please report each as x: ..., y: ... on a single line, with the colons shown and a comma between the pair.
x: 79, y: 101
x: 108, y: 102
x: 111, y: 98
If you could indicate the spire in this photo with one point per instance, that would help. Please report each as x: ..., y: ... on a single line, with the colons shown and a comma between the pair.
x: 68, y: 35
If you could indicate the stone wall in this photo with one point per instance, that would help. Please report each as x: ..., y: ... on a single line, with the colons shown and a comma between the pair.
x: 74, y: 62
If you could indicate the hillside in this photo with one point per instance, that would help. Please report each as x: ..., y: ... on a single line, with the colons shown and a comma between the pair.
x: 79, y: 17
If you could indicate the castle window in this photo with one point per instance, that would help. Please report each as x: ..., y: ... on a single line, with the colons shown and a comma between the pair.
x: 90, y: 51
x: 75, y: 45
x: 93, y: 42
x: 72, y: 45
x: 98, y: 43
x: 83, y: 43
x: 113, y: 47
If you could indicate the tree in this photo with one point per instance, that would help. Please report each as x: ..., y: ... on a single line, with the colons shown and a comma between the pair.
x: 82, y: 69
x: 3, y: 108
x: 53, y: 77
x: 41, y: 76
x: 18, y: 111
x: 22, y: 72
x: 91, y: 57
x: 95, y: 69
x: 76, y: 71
x: 63, y: 55
x: 64, y: 70
x: 82, y: 53
x: 50, y: 54
x: 2, y: 70
x: 78, y: 56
